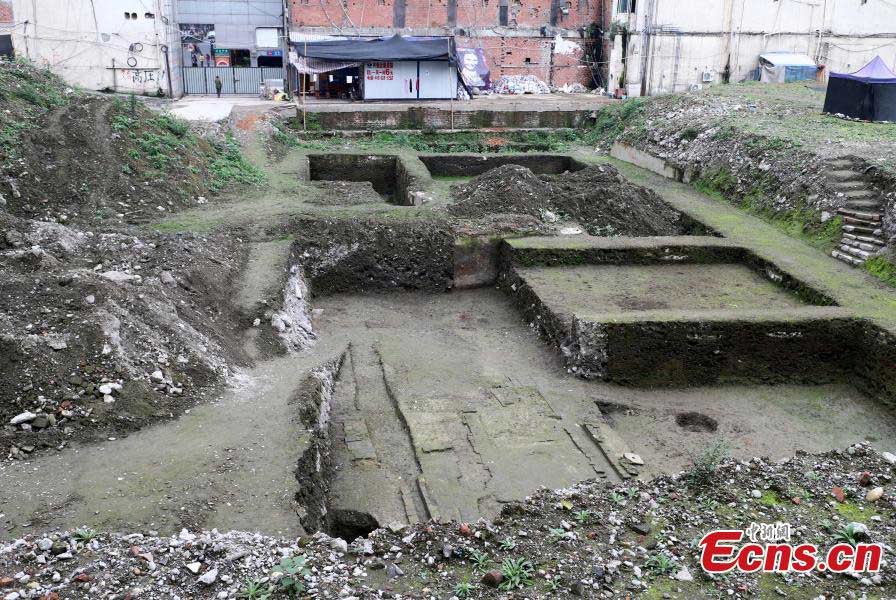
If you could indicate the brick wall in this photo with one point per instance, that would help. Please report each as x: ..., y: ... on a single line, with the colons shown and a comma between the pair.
x: 5, y: 12
x: 521, y: 47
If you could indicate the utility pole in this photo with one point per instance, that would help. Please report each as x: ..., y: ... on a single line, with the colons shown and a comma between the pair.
x: 284, y: 44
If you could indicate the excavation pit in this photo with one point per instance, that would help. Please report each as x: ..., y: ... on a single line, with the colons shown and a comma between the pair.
x: 388, y: 174
x: 687, y: 311
x: 448, y: 407
x: 470, y: 165
x: 696, y: 422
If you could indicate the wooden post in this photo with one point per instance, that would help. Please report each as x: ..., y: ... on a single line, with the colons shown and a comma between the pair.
x: 304, y: 111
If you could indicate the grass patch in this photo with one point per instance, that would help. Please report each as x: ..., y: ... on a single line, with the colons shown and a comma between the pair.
x: 883, y: 269
x: 853, y: 513
x: 27, y: 93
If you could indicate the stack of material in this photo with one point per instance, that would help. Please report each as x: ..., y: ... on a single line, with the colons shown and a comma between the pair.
x: 520, y: 84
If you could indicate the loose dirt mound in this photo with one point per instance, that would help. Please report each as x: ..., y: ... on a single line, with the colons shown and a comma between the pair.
x: 606, y: 204
x: 505, y: 189
x: 70, y: 157
x: 597, y: 197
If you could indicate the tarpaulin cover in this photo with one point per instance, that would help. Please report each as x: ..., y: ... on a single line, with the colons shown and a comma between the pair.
x: 393, y: 48
x: 868, y: 94
x: 784, y: 67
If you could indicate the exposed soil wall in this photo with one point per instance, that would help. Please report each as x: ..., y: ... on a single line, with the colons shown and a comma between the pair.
x: 315, y: 469
x: 809, y: 348
x: 456, y: 165
x: 705, y: 352
x: 363, y: 255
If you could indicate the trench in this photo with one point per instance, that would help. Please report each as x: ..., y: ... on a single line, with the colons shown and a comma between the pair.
x: 481, y: 368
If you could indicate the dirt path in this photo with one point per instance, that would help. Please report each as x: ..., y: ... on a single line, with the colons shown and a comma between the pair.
x: 227, y: 464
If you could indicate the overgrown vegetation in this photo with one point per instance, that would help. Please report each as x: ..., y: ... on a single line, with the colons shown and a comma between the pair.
x: 159, y: 144
x: 706, y: 464
x: 508, y: 141
x: 26, y: 94
x: 801, y: 222
x: 883, y: 269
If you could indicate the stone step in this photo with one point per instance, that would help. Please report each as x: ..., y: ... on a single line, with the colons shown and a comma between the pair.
x: 874, y: 204
x: 860, y: 222
x: 840, y: 163
x: 844, y: 186
x: 845, y: 175
x: 860, y: 214
x: 862, y: 230
x: 865, y: 238
x: 851, y: 260
x: 859, y: 194
x: 860, y: 245
x: 857, y: 252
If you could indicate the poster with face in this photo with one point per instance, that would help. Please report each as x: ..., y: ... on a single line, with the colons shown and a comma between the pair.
x: 474, y: 68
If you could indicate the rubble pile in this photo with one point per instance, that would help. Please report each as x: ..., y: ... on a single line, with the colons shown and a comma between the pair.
x: 590, y: 540
x: 104, y: 331
x: 520, y: 84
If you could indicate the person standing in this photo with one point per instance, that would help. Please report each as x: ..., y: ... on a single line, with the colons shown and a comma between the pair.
x: 218, y: 85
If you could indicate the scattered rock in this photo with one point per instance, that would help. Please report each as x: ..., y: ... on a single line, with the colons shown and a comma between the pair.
x: 875, y: 494
x: 209, y: 577
x: 492, y: 579
x: 24, y: 417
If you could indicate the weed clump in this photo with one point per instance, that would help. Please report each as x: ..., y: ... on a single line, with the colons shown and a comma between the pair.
x: 706, y: 464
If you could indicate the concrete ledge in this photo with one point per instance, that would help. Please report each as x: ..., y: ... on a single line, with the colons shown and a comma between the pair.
x: 652, y: 163
x: 429, y: 118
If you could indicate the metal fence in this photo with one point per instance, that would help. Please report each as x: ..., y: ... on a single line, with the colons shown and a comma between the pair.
x: 235, y: 80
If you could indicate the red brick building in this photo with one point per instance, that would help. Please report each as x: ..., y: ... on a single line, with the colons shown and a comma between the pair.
x: 5, y: 12
x: 559, y: 41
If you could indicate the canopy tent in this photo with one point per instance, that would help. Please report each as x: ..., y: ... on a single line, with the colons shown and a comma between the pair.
x: 868, y: 94
x: 394, y: 48
x: 784, y: 67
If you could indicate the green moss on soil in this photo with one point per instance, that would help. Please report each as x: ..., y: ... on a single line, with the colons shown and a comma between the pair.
x: 883, y: 269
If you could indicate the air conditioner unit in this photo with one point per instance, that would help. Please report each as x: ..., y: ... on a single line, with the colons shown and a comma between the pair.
x: 708, y: 76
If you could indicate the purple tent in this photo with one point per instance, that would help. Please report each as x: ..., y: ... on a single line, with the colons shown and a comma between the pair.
x: 868, y: 94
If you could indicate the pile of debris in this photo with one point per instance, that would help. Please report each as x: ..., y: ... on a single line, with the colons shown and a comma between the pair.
x: 520, y: 84
x: 597, y: 197
x: 590, y: 540
x: 103, y: 331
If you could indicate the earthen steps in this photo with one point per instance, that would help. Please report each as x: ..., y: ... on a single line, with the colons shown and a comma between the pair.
x: 865, y: 238
x: 860, y: 222
x: 859, y: 194
x: 857, y: 252
x: 856, y: 262
x: 863, y: 204
x: 867, y: 247
x: 853, y: 184
x: 859, y: 214
x: 864, y: 230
